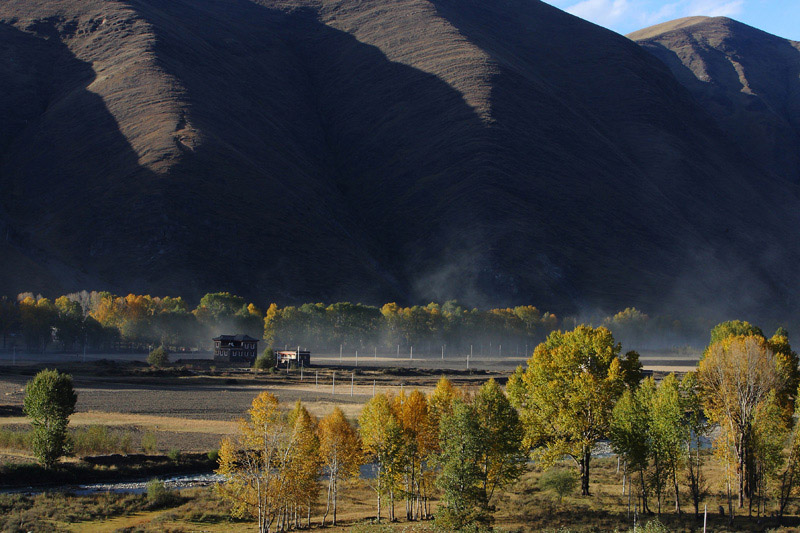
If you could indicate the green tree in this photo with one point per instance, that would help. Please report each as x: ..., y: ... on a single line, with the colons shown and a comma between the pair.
x: 559, y: 480
x: 266, y: 360
x: 566, y: 394
x: 460, y: 478
x: 669, y: 434
x: 502, y: 458
x: 158, y: 357
x: 9, y: 318
x: 630, y: 436
x: 697, y: 427
x: 49, y: 402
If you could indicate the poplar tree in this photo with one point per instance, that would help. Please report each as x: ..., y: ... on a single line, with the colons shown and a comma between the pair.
x: 49, y: 401
x: 382, y: 439
x: 566, y: 394
x: 340, y: 450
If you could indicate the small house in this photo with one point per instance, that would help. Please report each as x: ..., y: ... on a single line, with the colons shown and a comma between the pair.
x: 235, y: 348
x: 296, y: 357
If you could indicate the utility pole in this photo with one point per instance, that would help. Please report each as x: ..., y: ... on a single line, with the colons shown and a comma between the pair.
x: 373, y: 388
x: 356, y: 358
x: 340, y: 353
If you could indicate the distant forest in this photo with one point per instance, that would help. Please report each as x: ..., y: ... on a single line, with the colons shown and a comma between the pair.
x: 101, y: 321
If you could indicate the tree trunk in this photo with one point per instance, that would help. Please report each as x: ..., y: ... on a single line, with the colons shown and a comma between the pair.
x: 585, y: 459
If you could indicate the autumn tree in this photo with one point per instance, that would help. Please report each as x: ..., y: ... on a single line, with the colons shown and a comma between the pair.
x: 411, y: 411
x: 38, y: 319
x: 49, y: 401
x: 305, y: 463
x: 566, y: 394
x: 383, y: 440
x: 255, y: 463
x: 340, y: 450
x: 737, y: 375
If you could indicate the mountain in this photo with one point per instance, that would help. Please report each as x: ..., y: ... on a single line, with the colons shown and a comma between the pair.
x: 291, y: 150
x: 747, y: 79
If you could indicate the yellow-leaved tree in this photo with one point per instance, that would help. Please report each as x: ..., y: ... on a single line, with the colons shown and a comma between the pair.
x: 255, y: 463
x: 340, y: 450
x: 305, y: 464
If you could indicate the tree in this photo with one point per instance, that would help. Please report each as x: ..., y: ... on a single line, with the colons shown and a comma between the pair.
x: 49, y: 401
x: 669, y: 435
x: 502, y: 458
x: 158, y: 357
x: 734, y: 328
x: 254, y: 463
x: 464, y: 498
x: 340, y: 449
x: 382, y: 438
x: 9, y: 318
x: 69, y: 322
x: 305, y: 463
x: 559, y: 480
x: 696, y: 429
x: 737, y: 375
x: 38, y: 318
x: 630, y: 436
x: 266, y: 360
x: 566, y: 394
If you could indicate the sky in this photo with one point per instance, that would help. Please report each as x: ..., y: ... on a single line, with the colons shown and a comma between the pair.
x: 779, y: 17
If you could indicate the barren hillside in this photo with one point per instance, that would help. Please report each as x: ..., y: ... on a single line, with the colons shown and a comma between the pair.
x: 747, y: 79
x: 495, y: 152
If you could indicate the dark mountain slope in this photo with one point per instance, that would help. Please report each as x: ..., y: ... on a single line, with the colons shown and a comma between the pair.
x: 495, y: 152
x: 747, y: 79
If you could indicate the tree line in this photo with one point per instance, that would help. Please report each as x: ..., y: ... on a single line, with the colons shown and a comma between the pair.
x: 102, y: 321
x: 577, y: 389
x: 463, y: 446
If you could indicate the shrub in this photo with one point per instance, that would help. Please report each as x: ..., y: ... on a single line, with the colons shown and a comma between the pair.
x: 213, y: 456
x: 158, y: 357
x: 174, y: 455
x: 265, y: 361
x: 149, y: 442
x: 562, y: 481
x: 157, y: 493
x: 94, y: 439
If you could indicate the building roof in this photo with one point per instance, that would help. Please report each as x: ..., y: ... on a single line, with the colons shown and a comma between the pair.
x: 234, y: 338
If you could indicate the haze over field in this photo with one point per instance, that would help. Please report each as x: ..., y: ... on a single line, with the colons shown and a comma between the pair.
x: 496, y: 152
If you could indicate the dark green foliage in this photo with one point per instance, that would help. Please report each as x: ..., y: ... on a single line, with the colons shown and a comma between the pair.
x: 158, y: 357
x: 464, y: 498
x: 266, y: 360
x: 49, y: 401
